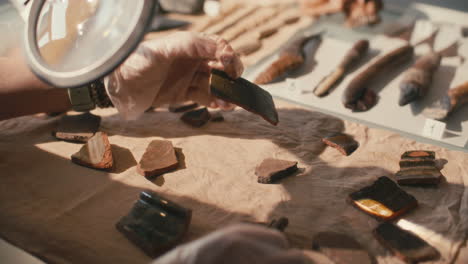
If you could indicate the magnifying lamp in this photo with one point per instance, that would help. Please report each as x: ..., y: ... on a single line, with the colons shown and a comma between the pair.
x: 71, y: 43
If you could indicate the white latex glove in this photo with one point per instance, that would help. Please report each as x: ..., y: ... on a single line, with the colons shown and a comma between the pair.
x: 170, y: 70
x: 244, y: 243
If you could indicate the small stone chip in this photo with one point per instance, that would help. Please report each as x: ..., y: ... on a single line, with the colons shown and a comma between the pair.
x: 96, y: 153
x: 405, y: 244
x: 159, y: 158
x: 196, y: 118
x: 342, y: 142
x: 271, y: 170
x: 341, y: 249
x: 77, y: 128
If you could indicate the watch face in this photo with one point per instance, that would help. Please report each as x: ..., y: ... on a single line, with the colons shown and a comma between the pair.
x: 72, y: 43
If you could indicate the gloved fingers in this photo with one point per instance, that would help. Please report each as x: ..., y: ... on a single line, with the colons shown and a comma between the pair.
x: 226, y: 59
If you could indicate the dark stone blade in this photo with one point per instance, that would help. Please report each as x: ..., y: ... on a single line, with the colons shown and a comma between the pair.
x: 405, y: 244
x: 77, y: 128
x: 244, y: 94
x: 155, y: 224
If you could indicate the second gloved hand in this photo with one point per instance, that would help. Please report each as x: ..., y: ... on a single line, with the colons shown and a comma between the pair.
x: 170, y: 70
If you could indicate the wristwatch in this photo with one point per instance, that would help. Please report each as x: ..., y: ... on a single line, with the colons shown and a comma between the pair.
x: 86, y: 98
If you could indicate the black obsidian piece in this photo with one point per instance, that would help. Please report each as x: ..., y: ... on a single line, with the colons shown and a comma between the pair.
x: 197, y: 117
x: 155, y: 224
x: 244, y: 94
x: 405, y: 244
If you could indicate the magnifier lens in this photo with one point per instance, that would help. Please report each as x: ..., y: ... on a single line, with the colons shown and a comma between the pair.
x: 79, y: 35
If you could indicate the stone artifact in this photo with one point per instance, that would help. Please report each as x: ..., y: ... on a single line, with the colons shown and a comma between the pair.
x: 418, y: 78
x: 359, y: 96
x: 250, y: 23
x: 418, y: 167
x: 272, y: 170
x: 279, y: 224
x: 353, y: 57
x: 211, y: 21
x: 455, y: 98
x: 197, y: 117
x: 341, y: 249
x: 96, y: 153
x: 405, y: 244
x: 159, y: 158
x: 383, y: 199
x: 77, y: 128
x: 244, y: 94
x: 291, y: 57
x: 342, y: 142
x: 155, y: 224
x: 182, y: 107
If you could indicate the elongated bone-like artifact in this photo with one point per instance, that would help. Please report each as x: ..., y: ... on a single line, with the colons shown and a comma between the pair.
x: 354, y: 55
x: 290, y: 58
x: 358, y: 96
x: 418, y: 78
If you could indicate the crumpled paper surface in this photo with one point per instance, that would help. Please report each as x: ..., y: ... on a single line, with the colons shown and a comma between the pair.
x: 65, y: 213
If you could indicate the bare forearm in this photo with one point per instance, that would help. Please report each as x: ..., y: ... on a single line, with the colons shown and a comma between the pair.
x: 22, y: 93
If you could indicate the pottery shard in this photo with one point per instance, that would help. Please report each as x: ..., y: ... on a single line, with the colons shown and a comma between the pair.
x: 77, y: 128
x: 271, y: 170
x: 341, y: 249
x: 418, y: 155
x: 196, y: 118
x: 96, y: 153
x: 383, y: 199
x: 405, y: 244
x: 183, y: 107
x: 159, y: 158
x: 419, y: 176
x: 342, y: 142
x: 155, y: 224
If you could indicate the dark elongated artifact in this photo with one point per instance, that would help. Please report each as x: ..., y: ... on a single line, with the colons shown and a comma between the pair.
x: 244, y: 94
x: 290, y: 58
x: 77, y: 128
x: 455, y: 98
x: 354, y: 56
x: 96, y: 153
x: 417, y: 163
x: 155, y: 224
x: 418, y: 78
x: 159, y: 158
x: 404, y: 244
x: 341, y: 249
x: 272, y: 170
x: 359, y: 96
x: 279, y: 224
x: 383, y: 199
x: 197, y: 117
x: 342, y: 142
x: 182, y: 107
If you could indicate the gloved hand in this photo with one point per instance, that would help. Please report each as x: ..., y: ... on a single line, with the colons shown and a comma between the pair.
x: 243, y: 243
x: 171, y: 70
